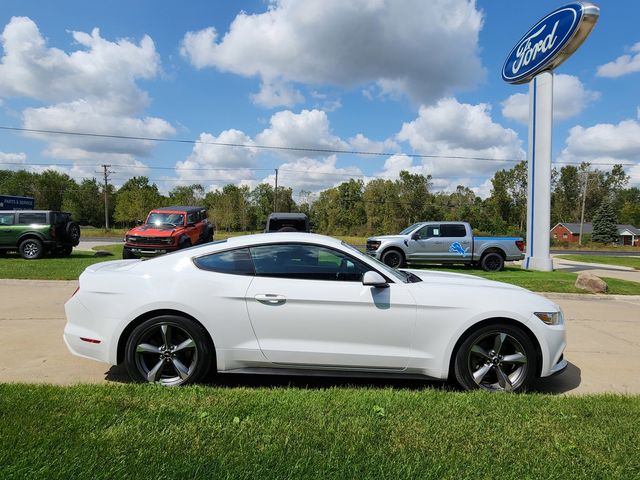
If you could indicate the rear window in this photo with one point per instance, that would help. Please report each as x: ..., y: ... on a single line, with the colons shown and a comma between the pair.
x: 236, y: 262
x: 453, y: 231
x: 32, y: 217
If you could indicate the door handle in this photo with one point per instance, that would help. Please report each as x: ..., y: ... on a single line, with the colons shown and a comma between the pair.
x: 437, y: 243
x: 270, y: 299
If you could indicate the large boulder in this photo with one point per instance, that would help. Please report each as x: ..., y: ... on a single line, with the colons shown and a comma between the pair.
x: 588, y: 281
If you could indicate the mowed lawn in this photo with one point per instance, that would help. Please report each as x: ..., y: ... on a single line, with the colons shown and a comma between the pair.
x: 633, y: 262
x: 134, y: 431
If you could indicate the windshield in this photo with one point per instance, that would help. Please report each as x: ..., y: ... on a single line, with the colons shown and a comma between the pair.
x: 174, y: 219
x: 391, y: 272
x: 409, y: 229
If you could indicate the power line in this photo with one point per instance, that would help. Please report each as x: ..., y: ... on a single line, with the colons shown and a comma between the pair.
x: 256, y: 146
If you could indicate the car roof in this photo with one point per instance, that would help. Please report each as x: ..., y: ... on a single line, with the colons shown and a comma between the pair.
x: 280, y: 237
x: 287, y: 215
x: 178, y: 208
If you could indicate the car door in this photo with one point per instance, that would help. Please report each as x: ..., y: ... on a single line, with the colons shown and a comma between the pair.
x: 427, y: 246
x: 308, y: 307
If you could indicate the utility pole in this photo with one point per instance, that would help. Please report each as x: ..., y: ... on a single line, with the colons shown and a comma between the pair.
x: 275, y: 194
x: 106, y: 174
x: 584, y: 199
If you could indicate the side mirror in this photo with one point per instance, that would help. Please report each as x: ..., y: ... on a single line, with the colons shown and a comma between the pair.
x: 415, y: 236
x: 374, y: 279
x: 139, y: 222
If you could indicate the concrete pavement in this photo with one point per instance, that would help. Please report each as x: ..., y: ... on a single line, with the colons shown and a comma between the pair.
x: 603, y: 341
x: 598, y: 269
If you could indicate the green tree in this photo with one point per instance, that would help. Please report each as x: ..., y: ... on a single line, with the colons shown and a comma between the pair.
x: 190, y: 195
x: 50, y: 188
x: 135, y: 199
x: 630, y: 210
x: 85, y: 202
x: 605, y: 225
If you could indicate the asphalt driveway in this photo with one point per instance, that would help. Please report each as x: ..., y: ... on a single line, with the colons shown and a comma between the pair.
x: 603, y: 349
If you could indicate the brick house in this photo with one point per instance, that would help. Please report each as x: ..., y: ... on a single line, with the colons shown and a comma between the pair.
x: 570, y: 232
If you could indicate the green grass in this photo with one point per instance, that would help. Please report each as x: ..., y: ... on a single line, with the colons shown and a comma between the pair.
x: 54, y: 268
x: 633, y: 262
x: 88, y: 232
x: 132, y: 431
x: 558, y: 281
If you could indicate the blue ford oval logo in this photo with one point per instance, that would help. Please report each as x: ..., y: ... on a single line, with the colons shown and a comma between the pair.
x: 541, y: 47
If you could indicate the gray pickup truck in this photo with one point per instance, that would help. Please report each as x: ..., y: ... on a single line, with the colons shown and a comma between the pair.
x: 445, y: 243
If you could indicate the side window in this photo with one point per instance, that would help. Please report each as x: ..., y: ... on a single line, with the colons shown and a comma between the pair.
x: 6, y: 218
x: 453, y: 230
x: 29, y: 218
x: 429, y: 231
x: 236, y: 262
x: 306, y: 262
x: 192, y: 218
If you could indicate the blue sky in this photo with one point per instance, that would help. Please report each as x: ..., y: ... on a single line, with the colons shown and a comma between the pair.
x: 398, y: 78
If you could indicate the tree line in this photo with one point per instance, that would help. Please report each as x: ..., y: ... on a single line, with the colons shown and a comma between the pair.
x: 351, y: 208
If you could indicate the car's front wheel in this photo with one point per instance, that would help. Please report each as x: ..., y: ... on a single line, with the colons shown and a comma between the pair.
x: 393, y: 258
x: 168, y: 350
x: 498, y: 357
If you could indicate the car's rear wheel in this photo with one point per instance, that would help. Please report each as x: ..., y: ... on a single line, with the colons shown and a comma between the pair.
x: 393, y: 258
x: 492, y: 262
x: 497, y: 357
x: 31, y: 249
x: 63, y: 251
x: 168, y: 350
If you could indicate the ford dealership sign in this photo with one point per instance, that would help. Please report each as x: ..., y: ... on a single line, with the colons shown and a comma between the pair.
x: 550, y: 42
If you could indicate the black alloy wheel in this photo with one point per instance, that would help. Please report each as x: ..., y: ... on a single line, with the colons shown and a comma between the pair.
x: 492, y: 262
x: 496, y: 358
x: 393, y: 258
x: 168, y: 350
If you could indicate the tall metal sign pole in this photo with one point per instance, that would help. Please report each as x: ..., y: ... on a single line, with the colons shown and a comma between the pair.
x: 545, y: 46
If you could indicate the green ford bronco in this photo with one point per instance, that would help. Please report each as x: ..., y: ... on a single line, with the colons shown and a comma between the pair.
x: 36, y: 232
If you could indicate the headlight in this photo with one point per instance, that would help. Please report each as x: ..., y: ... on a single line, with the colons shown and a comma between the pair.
x: 550, y: 318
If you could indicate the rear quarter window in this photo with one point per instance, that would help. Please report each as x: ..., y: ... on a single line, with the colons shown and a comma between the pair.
x: 453, y: 231
x: 31, y: 218
x: 235, y: 262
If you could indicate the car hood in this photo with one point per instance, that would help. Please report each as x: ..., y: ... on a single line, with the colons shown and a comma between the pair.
x: 148, y: 230
x: 461, y: 288
x: 388, y: 237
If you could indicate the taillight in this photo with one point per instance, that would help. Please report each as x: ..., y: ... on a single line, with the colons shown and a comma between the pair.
x: 520, y: 245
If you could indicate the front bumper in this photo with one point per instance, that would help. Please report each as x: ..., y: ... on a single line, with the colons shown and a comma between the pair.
x: 150, y: 251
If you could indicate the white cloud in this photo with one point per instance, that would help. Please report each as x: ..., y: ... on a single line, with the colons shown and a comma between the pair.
x: 100, y: 69
x: 277, y: 93
x: 307, y: 129
x: 84, y: 116
x: 226, y: 164
x: 606, y: 143
x: 92, y: 90
x: 8, y: 161
x: 622, y: 65
x: 460, y: 137
x: 570, y: 97
x: 361, y: 143
x: 311, y: 174
x: 420, y: 49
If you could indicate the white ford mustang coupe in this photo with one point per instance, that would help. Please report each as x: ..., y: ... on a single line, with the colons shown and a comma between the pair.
x: 305, y: 304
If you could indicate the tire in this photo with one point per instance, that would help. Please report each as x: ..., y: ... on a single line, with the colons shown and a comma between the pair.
x: 185, y: 244
x: 492, y: 262
x: 499, y: 357
x: 287, y: 229
x: 31, y: 249
x: 127, y: 255
x: 393, y: 258
x: 169, y: 350
x: 72, y: 233
x: 209, y: 236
